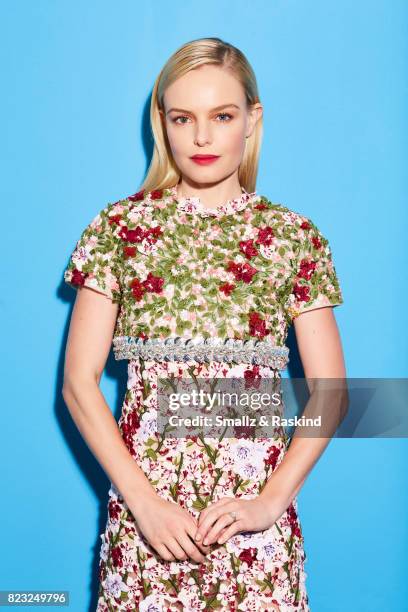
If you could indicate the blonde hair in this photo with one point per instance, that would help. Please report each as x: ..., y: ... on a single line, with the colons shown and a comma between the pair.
x: 163, y: 172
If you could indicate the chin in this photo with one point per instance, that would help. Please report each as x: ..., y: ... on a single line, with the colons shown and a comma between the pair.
x: 204, y: 175
x: 207, y: 174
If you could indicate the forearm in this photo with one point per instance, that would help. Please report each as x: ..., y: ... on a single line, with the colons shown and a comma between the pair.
x: 288, y: 478
x: 328, y: 402
x: 100, y: 430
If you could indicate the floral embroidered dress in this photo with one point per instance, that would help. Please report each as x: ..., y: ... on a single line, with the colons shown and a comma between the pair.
x: 209, y: 293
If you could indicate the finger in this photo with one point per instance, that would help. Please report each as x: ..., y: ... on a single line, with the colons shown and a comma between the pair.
x: 190, y: 548
x: 191, y: 529
x: 223, y: 531
x: 234, y: 528
x: 224, y: 521
x: 164, y: 552
x: 175, y: 548
x: 212, y: 517
x: 219, y: 502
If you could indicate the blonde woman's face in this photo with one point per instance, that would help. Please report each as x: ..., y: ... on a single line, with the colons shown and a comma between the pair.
x: 205, y: 113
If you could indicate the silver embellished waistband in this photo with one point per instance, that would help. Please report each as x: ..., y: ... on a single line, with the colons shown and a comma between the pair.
x: 203, y: 350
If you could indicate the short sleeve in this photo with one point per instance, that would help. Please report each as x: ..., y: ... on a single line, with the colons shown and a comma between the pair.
x: 315, y: 283
x: 95, y: 261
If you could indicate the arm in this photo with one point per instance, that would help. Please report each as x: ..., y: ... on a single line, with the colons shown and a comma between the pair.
x: 89, y: 340
x: 167, y: 526
x: 322, y: 357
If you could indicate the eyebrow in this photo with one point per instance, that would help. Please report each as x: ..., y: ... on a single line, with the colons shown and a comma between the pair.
x: 182, y: 110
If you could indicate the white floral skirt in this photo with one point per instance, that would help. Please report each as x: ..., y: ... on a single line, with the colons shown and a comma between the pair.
x: 252, y: 571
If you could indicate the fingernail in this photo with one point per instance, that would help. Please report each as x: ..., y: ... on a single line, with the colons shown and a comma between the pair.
x: 198, y: 536
x: 205, y: 542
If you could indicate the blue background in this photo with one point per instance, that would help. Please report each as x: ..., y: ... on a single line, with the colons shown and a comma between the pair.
x: 76, y: 80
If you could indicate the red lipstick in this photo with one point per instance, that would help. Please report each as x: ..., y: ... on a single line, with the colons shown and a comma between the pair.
x: 204, y: 160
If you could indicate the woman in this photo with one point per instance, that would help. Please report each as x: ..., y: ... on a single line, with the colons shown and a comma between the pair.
x: 199, y: 523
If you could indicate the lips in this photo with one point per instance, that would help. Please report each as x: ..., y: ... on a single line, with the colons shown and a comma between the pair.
x: 204, y: 159
x: 204, y: 156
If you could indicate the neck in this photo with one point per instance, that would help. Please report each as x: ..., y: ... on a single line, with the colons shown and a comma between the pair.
x: 211, y: 194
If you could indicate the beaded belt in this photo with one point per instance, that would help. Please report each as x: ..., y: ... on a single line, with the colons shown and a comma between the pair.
x: 203, y: 350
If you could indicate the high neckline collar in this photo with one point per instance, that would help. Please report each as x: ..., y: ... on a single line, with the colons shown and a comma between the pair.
x: 194, y: 205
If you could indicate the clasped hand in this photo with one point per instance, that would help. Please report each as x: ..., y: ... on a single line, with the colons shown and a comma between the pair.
x: 216, y: 524
x: 176, y: 535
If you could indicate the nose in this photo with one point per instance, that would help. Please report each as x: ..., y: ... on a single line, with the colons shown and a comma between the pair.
x: 202, y: 134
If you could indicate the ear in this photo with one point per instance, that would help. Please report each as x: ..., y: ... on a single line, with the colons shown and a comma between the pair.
x: 254, y: 114
x: 161, y: 113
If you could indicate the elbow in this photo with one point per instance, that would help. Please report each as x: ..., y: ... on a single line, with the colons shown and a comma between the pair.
x: 74, y: 384
x: 345, y: 403
x: 68, y: 391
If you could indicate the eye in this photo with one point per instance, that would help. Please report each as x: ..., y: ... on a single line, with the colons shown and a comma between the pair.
x: 175, y: 119
x: 225, y: 115
x: 226, y: 118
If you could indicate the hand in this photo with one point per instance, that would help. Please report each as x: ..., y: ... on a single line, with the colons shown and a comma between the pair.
x: 216, y: 524
x: 169, y: 529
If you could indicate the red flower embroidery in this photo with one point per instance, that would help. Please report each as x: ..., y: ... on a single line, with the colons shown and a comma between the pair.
x: 293, y: 521
x: 301, y: 292
x: 153, y: 283
x: 114, y: 510
x: 316, y: 243
x: 134, y: 420
x: 272, y: 458
x: 248, y: 249
x: 136, y: 197
x: 156, y: 194
x: 243, y: 272
x: 252, y: 373
x: 153, y: 233
x: 129, y: 251
x: 261, y: 206
x: 227, y: 288
x: 114, y: 219
x: 265, y: 236
x: 248, y: 555
x: 244, y: 431
x: 305, y: 225
x: 117, y: 559
x: 252, y: 377
x: 132, y: 235
x: 306, y: 269
x: 257, y: 326
x: 132, y: 423
x: 139, y: 234
x: 137, y: 289
x: 78, y: 278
